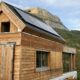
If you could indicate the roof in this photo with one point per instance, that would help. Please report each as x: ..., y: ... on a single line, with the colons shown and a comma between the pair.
x: 28, y: 18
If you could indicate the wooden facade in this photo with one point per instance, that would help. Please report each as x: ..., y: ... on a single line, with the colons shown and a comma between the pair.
x: 18, y: 49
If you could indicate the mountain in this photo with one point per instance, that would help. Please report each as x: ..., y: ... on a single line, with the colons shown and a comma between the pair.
x: 47, y: 17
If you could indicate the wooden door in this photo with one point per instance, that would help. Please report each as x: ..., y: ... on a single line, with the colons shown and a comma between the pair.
x: 6, y: 61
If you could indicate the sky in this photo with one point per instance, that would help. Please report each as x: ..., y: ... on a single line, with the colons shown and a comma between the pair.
x: 67, y: 10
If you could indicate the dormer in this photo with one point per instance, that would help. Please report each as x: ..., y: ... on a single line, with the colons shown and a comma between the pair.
x: 9, y: 22
x: 6, y: 25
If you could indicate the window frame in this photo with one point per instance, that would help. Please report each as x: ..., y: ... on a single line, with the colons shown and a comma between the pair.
x: 43, y: 66
x: 5, y: 27
x: 70, y: 62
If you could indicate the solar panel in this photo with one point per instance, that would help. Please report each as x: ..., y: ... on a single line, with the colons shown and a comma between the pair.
x: 32, y: 20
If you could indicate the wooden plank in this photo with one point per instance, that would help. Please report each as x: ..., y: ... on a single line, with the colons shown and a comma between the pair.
x: 53, y: 60
x: 58, y: 60
x: 0, y: 62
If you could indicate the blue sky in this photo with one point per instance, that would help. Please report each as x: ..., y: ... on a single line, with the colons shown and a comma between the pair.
x: 67, y: 10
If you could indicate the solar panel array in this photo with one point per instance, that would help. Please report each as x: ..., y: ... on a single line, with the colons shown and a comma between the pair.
x: 34, y: 21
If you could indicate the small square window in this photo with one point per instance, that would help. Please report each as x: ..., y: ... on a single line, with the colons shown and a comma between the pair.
x: 41, y: 59
x: 5, y: 27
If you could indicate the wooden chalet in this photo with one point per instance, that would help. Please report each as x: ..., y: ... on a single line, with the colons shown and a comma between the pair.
x: 29, y: 48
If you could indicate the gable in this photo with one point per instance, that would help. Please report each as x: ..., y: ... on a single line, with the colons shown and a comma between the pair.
x: 3, y: 19
x: 10, y: 16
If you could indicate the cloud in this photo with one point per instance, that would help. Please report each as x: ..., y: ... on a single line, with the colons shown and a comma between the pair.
x: 74, y: 13
x: 73, y: 23
x: 67, y: 3
x: 60, y: 3
x: 55, y: 3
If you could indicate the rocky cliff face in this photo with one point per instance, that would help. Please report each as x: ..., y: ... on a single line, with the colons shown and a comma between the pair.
x: 47, y: 17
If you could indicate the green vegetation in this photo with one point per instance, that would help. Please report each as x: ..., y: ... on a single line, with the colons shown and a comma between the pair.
x: 73, y: 40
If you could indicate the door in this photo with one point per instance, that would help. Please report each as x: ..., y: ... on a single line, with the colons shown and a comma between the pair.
x: 6, y: 61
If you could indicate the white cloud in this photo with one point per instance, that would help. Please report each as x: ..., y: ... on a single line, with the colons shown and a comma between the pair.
x: 74, y: 13
x: 49, y: 2
x: 67, y: 3
x: 60, y: 3
x: 56, y: 3
x: 74, y: 23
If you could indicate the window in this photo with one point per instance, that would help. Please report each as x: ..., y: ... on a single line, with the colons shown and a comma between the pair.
x: 41, y: 59
x: 5, y: 27
x: 68, y: 62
